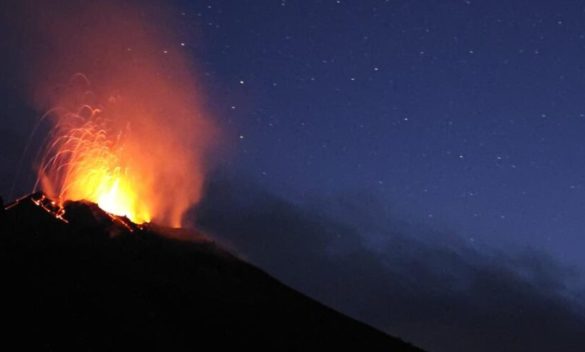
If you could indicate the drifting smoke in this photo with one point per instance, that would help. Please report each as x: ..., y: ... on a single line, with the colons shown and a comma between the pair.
x: 129, y: 132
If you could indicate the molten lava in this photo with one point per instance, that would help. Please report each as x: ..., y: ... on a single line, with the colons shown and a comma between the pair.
x: 121, y: 200
x: 85, y: 162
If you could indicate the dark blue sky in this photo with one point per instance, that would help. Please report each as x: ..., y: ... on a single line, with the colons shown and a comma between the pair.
x: 467, y: 115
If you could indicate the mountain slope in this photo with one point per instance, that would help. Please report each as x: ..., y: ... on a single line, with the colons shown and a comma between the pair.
x: 85, y: 279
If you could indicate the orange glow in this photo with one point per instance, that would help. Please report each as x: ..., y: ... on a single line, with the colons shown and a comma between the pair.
x: 130, y: 133
x: 83, y: 162
x: 121, y: 200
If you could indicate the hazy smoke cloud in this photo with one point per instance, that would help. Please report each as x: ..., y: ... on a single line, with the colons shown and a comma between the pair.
x: 441, y: 296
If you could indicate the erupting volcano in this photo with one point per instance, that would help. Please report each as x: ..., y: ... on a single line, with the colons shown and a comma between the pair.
x: 89, y: 261
x: 127, y: 130
x: 86, y: 160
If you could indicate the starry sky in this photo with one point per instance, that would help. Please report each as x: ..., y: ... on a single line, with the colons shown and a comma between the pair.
x: 459, y: 122
x: 464, y: 115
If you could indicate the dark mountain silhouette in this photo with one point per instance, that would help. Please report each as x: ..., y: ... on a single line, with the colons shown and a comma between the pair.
x: 80, y: 278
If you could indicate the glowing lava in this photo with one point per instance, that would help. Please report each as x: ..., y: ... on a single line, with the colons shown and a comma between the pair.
x: 121, y: 200
x: 84, y: 162
x: 113, y: 191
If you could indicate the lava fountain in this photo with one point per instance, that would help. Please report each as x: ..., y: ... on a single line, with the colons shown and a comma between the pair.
x: 85, y: 159
x: 130, y: 133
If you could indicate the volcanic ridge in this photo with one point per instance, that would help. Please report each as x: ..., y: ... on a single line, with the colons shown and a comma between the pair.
x: 78, y: 277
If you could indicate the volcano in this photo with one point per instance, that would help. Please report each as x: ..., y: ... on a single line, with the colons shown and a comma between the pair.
x: 77, y: 277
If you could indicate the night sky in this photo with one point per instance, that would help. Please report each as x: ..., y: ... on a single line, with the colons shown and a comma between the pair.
x: 468, y: 115
x: 425, y: 134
